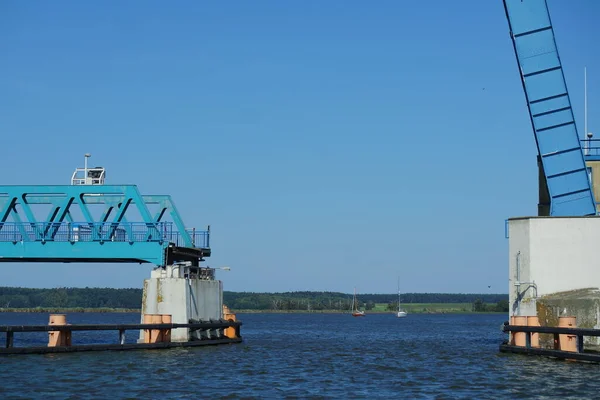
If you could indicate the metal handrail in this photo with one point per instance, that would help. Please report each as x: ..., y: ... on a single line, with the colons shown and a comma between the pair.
x: 100, y: 232
x: 579, y: 332
x: 122, y: 328
x: 590, y: 147
x: 214, y: 324
x: 551, y: 329
x: 85, y: 231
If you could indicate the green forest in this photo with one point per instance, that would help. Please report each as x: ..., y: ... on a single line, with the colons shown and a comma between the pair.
x: 108, y: 298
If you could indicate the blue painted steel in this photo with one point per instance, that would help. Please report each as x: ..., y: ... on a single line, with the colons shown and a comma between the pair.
x: 166, y: 204
x: 110, y: 238
x: 139, y: 252
x: 550, y: 108
x: 87, y: 232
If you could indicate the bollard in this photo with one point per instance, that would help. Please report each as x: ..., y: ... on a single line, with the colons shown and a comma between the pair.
x: 519, y: 337
x: 147, y: 320
x: 567, y: 342
x: 535, y: 337
x: 58, y: 338
x: 229, y: 316
x: 166, y: 333
x: 155, y: 334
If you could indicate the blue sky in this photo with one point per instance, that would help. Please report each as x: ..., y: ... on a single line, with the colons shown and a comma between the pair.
x: 328, y: 144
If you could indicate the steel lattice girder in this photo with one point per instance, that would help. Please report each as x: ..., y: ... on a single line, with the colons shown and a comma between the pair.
x: 120, y: 238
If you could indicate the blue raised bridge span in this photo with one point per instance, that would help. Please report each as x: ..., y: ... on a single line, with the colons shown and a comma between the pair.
x: 88, y: 221
x: 564, y: 174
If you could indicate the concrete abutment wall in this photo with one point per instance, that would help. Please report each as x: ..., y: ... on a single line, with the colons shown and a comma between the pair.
x: 554, y: 270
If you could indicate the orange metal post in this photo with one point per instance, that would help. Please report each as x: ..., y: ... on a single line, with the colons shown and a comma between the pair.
x: 511, y: 336
x: 567, y: 342
x: 535, y: 337
x: 166, y: 333
x: 57, y: 338
x: 519, y: 337
x: 155, y: 334
x: 147, y: 320
x: 229, y: 316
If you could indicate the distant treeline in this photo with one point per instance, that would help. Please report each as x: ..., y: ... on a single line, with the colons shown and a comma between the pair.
x: 343, y: 301
x: 14, y: 297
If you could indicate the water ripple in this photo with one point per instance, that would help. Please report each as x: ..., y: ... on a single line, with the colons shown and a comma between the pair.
x: 306, y: 356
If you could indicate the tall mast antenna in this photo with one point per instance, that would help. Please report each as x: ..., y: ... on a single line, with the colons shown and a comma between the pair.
x: 585, y: 131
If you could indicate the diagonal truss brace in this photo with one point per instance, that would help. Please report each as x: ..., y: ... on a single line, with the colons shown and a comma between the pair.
x: 117, y: 198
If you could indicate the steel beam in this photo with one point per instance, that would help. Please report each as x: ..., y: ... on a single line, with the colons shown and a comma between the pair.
x: 25, y: 235
x: 65, y: 252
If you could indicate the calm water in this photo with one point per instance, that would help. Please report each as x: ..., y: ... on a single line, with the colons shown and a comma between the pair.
x: 301, y: 355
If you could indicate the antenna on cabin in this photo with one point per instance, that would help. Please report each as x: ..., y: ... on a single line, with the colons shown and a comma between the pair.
x: 88, y: 155
x: 88, y: 176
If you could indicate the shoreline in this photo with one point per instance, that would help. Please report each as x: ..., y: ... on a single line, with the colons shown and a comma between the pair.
x: 441, y: 311
x: 133, y: 310
x: 63, y: 310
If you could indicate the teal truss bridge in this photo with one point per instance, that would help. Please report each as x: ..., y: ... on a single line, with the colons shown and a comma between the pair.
x: 88, y: 221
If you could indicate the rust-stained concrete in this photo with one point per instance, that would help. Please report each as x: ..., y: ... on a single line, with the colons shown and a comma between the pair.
x: 584, y: 304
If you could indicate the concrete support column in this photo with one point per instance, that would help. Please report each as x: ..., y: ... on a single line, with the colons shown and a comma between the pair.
x: 184, y: 296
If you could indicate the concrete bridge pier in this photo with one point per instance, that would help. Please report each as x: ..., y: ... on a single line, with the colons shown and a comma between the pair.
x: 554, y: 270
x: 185, y: 292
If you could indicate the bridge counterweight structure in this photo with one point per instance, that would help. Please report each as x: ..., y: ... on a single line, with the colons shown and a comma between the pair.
x: 71, y: 233
x: 565, y: 188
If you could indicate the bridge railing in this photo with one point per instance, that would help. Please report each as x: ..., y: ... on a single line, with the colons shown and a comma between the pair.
x: 200, y: 239
x: 563, y: 349
x: 99, y: 232
x: 212, y: 332
x: 592, y: 146
x: 85, y: 232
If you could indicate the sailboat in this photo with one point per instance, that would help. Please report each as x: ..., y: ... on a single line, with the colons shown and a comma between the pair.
x: 401, y: 313
x: 355, y: 311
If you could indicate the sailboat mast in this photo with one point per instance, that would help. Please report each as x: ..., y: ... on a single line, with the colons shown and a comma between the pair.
x: 398, y: 293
